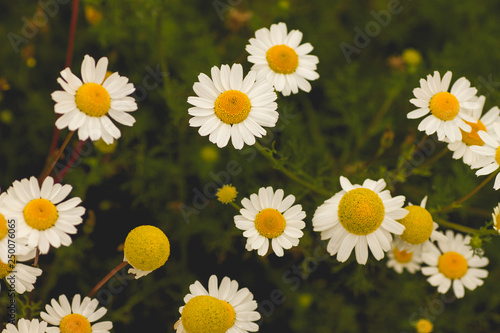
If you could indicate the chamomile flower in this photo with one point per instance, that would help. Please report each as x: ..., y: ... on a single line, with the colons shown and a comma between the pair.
x: 9, y: 231
x: 87, y: 106
x: 44, y: 219
x: 420, y: 229
x: 424, y: 326
x: 26, y: 326
x: 19, y: 276
x: 278, y: 58
x: 146, y: 249
x: 360, y: 216
x: 229, y: 106
x: 447, y: 108
x: 454, y: 263
x: 461, y: 148
x: 403, y: 259
x: 496, y: 218
x: 76, y: 317
x: 268, y: 218
x: 221, y: 309
x: 490, y: 154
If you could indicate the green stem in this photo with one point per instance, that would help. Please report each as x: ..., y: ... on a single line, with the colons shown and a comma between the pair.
x: 456, y: 226
x: 458, y: 202
x: 288, y: 173
x: 235, y: 206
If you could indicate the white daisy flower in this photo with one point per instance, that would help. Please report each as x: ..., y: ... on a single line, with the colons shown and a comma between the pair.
x: 461, y: 149
x: 490, y: 152
x: 446, y: 108
x: 19, y: 276
x: 26, y: 326
x: 454, y: 262
x: 496, y: 218
x: 229, y: 106
x: 279, y: 59
x: 85, y: 106
x: 420, y: 229
x: 360, y: 217
x: 44, y: 218
x: 77, y: 316
x: 223, y: 309
x: 268, y: 218
x: 146, y: 248
x: 402, y: 259
x: 10, y: 242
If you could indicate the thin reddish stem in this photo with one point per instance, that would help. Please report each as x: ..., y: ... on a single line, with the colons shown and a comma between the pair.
x: 72, y: 160
x: 107, y: 277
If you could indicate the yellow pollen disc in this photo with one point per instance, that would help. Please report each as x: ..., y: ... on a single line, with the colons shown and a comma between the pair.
x: 146, y: 248
x: 497, y: 222
x: 40, y: 214
x: 361, y: 211
x: 207, y: 314
x: 424, y: 326
x: 227, y: 194
x: 232, y: 107
x: 472, y: 138
x: 402, y: 256
x: 497, y: 156
x: 282, y: 59
x: 93, y: 99
x: 270, y: 223
x: 418, y: 225
x: 453, y: 265
x: 75, y: 323
x: 3, y: 227
x: 444, y: 106
x: 5, y: 269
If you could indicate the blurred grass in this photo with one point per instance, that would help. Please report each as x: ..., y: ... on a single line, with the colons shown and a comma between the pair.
x: 157, y: 169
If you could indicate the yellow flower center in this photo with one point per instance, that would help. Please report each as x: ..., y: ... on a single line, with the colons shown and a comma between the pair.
x: 472, y: 138
x: 497, y: 156
x: 227, y: 194
x: 40, y: 214
x: 270, y: 223
x: 453, y: 265
x: 402, y: 257
x: 5, y: 269
x: 75, y: 323
x: 497, y: 222
x: 418, y: 225
x: 282, y: 59
x: 232, y: 107
x: 3, y: 227
x: 361, y: 211
x: 207, y: 314
x: 444, y: 106
x: 424, y: 326
x: 93, y: 99
x: 146, y: 248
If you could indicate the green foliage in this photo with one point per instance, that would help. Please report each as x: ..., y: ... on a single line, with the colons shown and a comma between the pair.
x: 159, y: 175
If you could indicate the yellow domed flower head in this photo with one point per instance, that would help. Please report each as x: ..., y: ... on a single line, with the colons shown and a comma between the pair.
x: 490, y: 154
x: 76, y: 317
x: 41, y: 215
x: 279, y: 59
x: 230, y: 106
x: 403, y: 259
x: 269, y: 219
x: 424, y: 326
x: 447, y: 109
x: 462, y: 148
x: 26, y: 326
x: 226, y: 194
x: 360, y: 217
x: 209, y: 154
x: 454, y: 262
x: 411, y: 57
x: 218, y: 309
x: 420, y: 229
x: 86, y: 105
x: 146, y: 249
